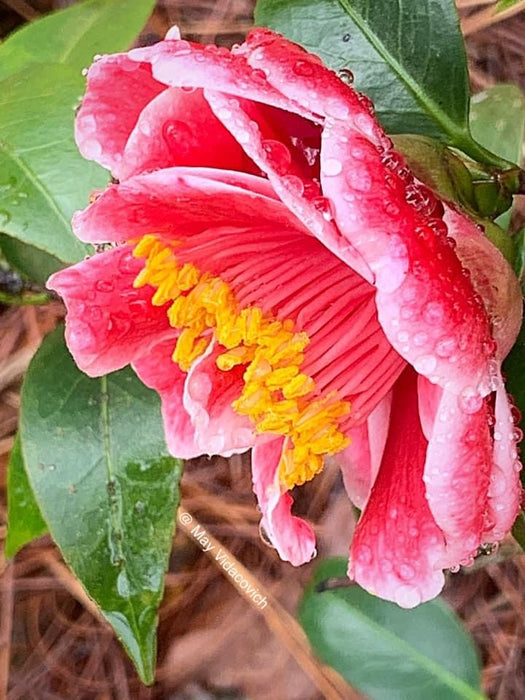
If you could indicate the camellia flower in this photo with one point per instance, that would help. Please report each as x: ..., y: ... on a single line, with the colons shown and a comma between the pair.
x: 286, y: 285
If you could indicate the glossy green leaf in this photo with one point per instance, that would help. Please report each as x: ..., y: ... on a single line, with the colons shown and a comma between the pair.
x: 43, y: 177
x: 497, y: 121
x: 73, y: 36
x: 407, y: 56
x: 386, y: 652
x: 24, y: 520
x: 96, y: 458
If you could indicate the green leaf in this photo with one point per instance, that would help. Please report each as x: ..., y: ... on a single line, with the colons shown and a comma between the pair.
x: 389, y: 653
x: 514, y: 371
x: 24, y: 520
x: 29, y: 260
x: 43, y: 177
x: 96, y: 458
x: 407, y: 56
x: 519, y: 255
x: 73, y: 36
x: 497, y: 121
x: 518, y: 529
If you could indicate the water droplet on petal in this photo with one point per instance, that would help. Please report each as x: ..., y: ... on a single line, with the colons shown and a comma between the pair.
x: 470, y: 401
x: 331, y: 166
x: 425, y: 364
x: 407, y: 596
x: 105, y: 286
x: 303, y: 68
x: 279, y: 157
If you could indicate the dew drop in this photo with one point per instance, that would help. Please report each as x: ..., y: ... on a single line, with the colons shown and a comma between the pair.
x: 407, y: 596
x: 279, y: 157
x: 5, y: 217
x: 303, y: 68
x: 425, y: 364
x: 331, y: 166
x: 324, y: 206
x: 470, y: 401
x: 104, y: 286
x: 345, y: 74
x: 363, y: 554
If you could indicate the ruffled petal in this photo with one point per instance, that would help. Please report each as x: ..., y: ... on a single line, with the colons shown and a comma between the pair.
x: 181, y: 201
x: 426, y: 302
x: 493, y: 279
x: 178, y: 128
x: 157, y: 370
x: 118, y: 89
x: 109, y: 323
x: 397, y: 545
x: 360, y: 461
x: 505, y: 486
x: 293, y: 537
x: 186, y: 64
x: 208, y: 397
x: 457, y: 471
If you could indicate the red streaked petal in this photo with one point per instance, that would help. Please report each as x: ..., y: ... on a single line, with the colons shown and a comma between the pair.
x: 118, y: 89
x: 360, y: 461
x: 457, y: 471
x: 157, y: 370
x: 208, y: 395
x: 109, y: 323
x: 505, y: 487
x: 493, y: 279
x: 397, y: 545
x: 186, y: 64
x: 293, y: 537
x: 426, y: 303
x: 177, y: 128
x: 179, y: 201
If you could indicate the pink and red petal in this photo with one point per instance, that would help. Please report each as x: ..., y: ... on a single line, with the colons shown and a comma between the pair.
x: 177, y: 202
x: 293, y: 537
x: 505, y: 490
x: 457, y: 471
x: 109, y: 323
x: 118, y: 89
x: 360, y: 461
x: 208, y: 397
x: 426, y: 302
x: 177, y: 128
x: 397, y: 545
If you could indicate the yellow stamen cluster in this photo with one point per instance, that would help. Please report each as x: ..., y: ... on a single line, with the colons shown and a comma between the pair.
x: 276, y: 396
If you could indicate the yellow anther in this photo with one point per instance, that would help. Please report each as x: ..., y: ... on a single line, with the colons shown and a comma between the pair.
x: 301, y: 385
x: 237, y: 356
x: 276, y: 396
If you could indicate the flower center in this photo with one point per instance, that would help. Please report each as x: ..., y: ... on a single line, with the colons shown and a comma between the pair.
x: 276, y: 396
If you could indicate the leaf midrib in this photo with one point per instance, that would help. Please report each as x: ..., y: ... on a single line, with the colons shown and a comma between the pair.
x: 108, y: 460
x: 435, y: 669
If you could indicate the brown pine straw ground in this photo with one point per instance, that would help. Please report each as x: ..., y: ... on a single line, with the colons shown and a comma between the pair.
x: 53, y: 645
